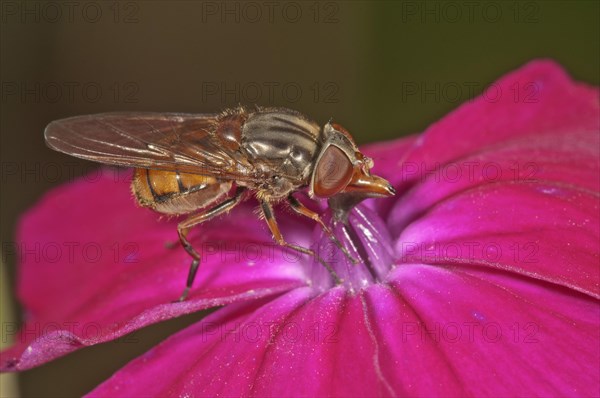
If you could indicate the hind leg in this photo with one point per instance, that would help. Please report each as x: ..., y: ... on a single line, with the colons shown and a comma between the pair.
x: 184, y: 227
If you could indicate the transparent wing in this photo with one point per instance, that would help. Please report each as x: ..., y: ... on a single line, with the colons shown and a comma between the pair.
x: 164, y: 141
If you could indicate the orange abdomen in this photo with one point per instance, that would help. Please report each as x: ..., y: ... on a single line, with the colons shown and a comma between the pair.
x: 172, y: 192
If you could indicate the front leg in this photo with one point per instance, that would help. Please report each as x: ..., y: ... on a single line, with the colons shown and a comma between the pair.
x: 299, y: 208
x: 267, y: 211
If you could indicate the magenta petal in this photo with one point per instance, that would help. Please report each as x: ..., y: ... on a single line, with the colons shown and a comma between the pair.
x: 291, y: 346
x: 432, y: 332
x: 543, y: 223
x: 218, y: 356
x: 83, y: 283
x: 389, y: 156
x: 526, y: 199
x: 481, y: 333
x: 535, y: 100
x: 546, y: 237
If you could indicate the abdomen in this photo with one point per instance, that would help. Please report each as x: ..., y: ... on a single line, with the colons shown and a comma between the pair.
x: 171, y: 192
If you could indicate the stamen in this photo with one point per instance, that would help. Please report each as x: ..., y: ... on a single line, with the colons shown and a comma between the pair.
x: 366, y: 238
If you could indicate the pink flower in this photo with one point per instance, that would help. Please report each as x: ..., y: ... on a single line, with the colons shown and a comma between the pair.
x: 483, y: 278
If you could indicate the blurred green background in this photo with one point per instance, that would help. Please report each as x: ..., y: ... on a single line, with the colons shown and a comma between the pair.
x: 383, y: 69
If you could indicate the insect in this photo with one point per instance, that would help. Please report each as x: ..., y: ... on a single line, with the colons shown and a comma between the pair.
x: 206, y: 164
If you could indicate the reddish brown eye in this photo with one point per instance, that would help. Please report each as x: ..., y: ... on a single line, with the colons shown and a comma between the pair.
x: 332, y: 173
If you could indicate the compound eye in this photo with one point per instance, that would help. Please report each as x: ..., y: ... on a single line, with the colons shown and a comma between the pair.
x: 332, y: 173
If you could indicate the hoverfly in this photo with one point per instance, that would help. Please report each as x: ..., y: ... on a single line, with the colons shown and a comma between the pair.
x: 206, y: 164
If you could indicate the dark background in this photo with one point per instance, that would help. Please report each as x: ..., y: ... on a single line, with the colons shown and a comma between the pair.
x: 382, y: 69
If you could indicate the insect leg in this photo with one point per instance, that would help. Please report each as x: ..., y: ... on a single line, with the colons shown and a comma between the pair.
x: 299, y: 208
x: 184, y: 227
x: 272, y: 223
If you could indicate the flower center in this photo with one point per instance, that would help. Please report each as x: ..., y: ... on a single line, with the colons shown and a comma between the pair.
x: 366, y: 239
